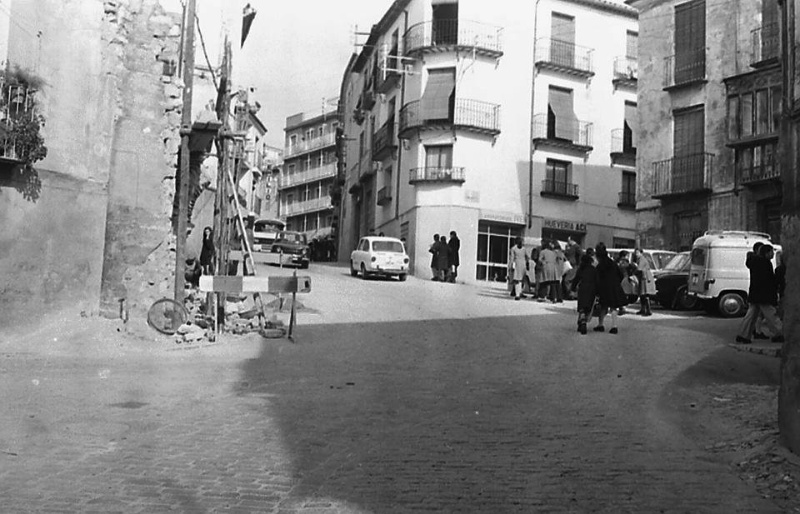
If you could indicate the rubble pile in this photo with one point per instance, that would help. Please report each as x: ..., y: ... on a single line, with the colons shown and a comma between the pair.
x: 241, y: 317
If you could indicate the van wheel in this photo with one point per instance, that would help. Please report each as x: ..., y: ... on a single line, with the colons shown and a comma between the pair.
x: 684, y: 300
x: 731, y: 305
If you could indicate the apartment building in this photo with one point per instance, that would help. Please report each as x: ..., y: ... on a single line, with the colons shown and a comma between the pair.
x: 709, y: 105
x: 494, y: 120
x: 309, y: 170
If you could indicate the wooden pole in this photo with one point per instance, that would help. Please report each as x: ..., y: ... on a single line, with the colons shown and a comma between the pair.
x: 183, y: 173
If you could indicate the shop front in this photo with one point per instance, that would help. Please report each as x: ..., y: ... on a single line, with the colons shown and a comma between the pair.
x: 496, y: 235
x: 560, y: 230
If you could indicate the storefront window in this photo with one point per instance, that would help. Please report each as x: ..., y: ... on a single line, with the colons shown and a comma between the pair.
x: 494, y: 242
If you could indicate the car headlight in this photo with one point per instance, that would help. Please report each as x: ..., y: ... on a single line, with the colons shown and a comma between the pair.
x: 373, y: 259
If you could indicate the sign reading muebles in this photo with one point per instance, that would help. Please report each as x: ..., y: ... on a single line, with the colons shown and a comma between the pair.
x: 564, y: 225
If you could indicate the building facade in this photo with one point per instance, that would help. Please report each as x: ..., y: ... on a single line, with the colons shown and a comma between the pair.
x: 309, y: 171
x: 709, y: 106
x: 494, y: 121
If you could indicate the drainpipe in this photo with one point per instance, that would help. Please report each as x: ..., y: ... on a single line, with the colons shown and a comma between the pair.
x: 530, y: 139
x: 397, y: 123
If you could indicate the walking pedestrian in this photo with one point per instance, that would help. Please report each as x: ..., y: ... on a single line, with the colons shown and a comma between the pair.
x: 780, y: 279
x: 443, y: 258
x: 455, y: 246
x: 762, y: 297
x: 550, y: 272
x: 758, y: 330
x: 563, y: 266
x: 630, y: 285
x: 208, y: 252
x: 609, y: 289
x: 647, y: 282
x: 433, y: 249
x: 585, y: 283
x: 518, y: 263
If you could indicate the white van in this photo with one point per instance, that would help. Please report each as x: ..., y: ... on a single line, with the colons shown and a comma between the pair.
x: 718, y: 274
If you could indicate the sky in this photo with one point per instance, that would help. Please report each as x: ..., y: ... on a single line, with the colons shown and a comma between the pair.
x: 296, y: 53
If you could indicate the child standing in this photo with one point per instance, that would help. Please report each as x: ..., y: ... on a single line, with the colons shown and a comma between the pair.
x: 585, y: 282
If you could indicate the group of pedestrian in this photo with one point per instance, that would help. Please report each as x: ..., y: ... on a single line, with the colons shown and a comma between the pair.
x: 552, y: 268
x: 638, y: 281
x: 767, y: 286
x: 598, y: 283
x: 445, y: 259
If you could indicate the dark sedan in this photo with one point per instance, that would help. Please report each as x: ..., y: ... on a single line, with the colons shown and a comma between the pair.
x: 293, y: 246
x: 671, y: 284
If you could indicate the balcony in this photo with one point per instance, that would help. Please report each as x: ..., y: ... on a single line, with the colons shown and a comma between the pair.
x: 576, y: 137
x: 627, y: 200
x: 385, y: 195
x: 436, y: 174
x: 765, y: 45
x: 622, y: 150
x: 626, y: 72
x: 465, y: 114
x: 770, y: 171
x: 684, y: 70
x: 304, y: 207
x: 454, y: 36
x: 383, y: 141
x: 564, y: 57
x: 311, y: 175
x: 17, y: 109
x: 683, y: 175
x: 558, y: 189
x: 303, y: 147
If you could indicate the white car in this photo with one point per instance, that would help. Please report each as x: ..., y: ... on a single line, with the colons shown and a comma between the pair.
x: 383, y: 256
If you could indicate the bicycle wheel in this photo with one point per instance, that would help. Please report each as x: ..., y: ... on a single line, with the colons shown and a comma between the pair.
x: 166, y: 315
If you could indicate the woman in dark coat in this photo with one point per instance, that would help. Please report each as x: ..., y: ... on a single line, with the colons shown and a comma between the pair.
x: 609, y: 288
x: 208, y: 252
x: 585, y: 282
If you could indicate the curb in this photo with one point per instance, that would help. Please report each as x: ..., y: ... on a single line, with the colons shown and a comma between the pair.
x: 769, y: 349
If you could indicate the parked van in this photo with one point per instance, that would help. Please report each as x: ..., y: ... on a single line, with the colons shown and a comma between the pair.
x: 718, y: 274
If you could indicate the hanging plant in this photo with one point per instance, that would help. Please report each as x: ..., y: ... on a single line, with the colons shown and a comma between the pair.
x: 20, y: 124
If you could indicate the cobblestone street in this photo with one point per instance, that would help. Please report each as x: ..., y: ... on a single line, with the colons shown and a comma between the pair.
x: 465, y: 402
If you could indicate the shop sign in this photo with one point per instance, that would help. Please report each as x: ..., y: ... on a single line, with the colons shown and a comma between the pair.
x: 566, y: 225
x: 503, y: 217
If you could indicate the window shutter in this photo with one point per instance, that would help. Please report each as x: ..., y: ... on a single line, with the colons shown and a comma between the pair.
x: 560, y: 101
x: 436, y: 98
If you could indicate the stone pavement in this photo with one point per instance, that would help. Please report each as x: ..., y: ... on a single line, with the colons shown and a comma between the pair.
x: 505, y: 409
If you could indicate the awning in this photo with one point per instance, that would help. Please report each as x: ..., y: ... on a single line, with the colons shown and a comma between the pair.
x: 436, y: 98
x: 631, y: 120
x: 560, y: 102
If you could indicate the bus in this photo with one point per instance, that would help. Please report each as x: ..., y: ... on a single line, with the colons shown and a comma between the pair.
x: 265, y: 231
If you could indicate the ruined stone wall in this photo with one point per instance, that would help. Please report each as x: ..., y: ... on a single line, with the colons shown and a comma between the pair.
x: 139, y: 254
x: 92, y: 220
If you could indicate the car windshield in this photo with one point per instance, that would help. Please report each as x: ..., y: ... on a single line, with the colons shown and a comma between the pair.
x: 290, y: 237
x: 387, y: 246
x: 662, y: 259
x: 678, y: 262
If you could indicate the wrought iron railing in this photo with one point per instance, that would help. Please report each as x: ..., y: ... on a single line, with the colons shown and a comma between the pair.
x: 769, y: 170
x: 384, y: 195
x: 626, y: 68
x: 465, y: 113
x: 627, y: 199
x: 455, y: 32
x: 317, y: 204
x: 564, y: 54
x: 383, y: 140
x: 684, y: 69
x: 311, y: 144
x: 765, y: 43
x: 576, y: 132
x: 687, y: 174
x: 313, y: 174
x: 622, y: 142
x: 436, y: 174
x: 559, y: 188
x: 17, y: 105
